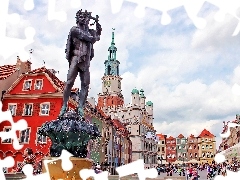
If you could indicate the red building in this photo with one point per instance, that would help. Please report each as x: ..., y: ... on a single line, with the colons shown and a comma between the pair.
x: 35, y: 96
x: 171, y: 149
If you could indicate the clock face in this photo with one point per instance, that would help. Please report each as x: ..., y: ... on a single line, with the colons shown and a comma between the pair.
x: 107, y: 83
x: 114, y: 65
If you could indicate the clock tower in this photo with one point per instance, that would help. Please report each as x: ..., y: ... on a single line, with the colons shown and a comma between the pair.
x: 111, y: 81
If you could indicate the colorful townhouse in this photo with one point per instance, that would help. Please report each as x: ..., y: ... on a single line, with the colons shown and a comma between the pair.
x: 181, y: 147
x: 171, y: 151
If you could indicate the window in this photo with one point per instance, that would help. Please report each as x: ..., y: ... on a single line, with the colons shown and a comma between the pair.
x: 38, y: 84
x: 203, y: 147
x: 158, y: 149
x: 163, y: 148
x: 41, y: 139
x: 206, y: 146
x: 190, y: 147
x: 27, y: 85
x: 129, y: 129
x: 5, y: 170
x: 196, y: 155
x: 163, y: 142
x: 206, y: 140
x: 19, y: 164
x: 7, y: 141
x: 178, y: 141
x: 28, y: 109
x: 24, y: 136
x: 210, y: 146
x: 202, y: 140
x: 44, y: 108
x: 12, y: 108
x: 179, y: 147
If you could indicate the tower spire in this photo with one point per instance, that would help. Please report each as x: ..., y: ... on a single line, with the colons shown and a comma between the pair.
x: 113, y: 37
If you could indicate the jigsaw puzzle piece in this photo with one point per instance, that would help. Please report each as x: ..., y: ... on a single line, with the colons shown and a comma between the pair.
x: 228, y: 133
x: 9, y: 45
x: 28, y: 171
x: 18, y: 126
x: 137, y: 167
x: 7, y: 162
x: 116, y: 5
x: 53, y: 15
x: 75, y: 3
x: 160, y: 5
x: 28, y: 5
x: 192, y: 8
x: 66, y: 163
x: 87, y: 173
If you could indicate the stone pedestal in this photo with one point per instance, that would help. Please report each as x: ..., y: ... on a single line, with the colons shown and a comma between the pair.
x: 57, y: 173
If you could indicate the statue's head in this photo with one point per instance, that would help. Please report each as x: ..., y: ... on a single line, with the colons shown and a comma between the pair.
x: 83, y: 17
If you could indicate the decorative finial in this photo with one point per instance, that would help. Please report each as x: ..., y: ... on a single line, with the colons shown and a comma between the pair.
x: 113, y: 36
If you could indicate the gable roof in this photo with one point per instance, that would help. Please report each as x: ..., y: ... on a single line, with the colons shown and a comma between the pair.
x: 170, y: 137
x: 180, y: 136
x: 120, y: 127
x: 6, y: 71
x: 161, y: 136
x: 192, y: 136
x: 206, y: 133
x: 58, y: 84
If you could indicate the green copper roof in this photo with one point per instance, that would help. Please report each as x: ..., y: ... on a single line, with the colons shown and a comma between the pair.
x: 135, y: 91
x: 149, y: 103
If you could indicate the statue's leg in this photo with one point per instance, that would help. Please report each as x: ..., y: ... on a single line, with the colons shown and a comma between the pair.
x: 85, y: 81
x: 72, y: 74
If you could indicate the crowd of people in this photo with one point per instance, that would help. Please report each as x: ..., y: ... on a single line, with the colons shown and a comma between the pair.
x: 191, y: 171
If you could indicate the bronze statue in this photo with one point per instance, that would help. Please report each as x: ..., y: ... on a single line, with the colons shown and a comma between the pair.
x: 79, y: 53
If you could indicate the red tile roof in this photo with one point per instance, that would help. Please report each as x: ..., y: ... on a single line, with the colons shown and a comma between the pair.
x: 6, y: 71
x: 205, y: 133
x: 180, y: 136
x: 54, y: 78
x: 161, y: 136
x: 120, y: 127
x: 170, y: 137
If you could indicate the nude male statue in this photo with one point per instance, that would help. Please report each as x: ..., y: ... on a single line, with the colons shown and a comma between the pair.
x: 79, y: 53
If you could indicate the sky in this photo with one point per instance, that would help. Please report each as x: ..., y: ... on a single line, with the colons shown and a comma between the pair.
x: 188, y: 73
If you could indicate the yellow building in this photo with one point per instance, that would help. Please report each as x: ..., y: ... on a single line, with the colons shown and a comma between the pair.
x: 206, y: 147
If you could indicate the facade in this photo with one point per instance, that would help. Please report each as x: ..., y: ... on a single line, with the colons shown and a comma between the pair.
x: 171, y: 149
x: 181, y: 147
x: 193, y: 148
x: 137, y: 117
x: 207, y: 147
x: 36, y: 96
x: 234, y: 137
x: 161, y: 150
x: 10, y: 73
